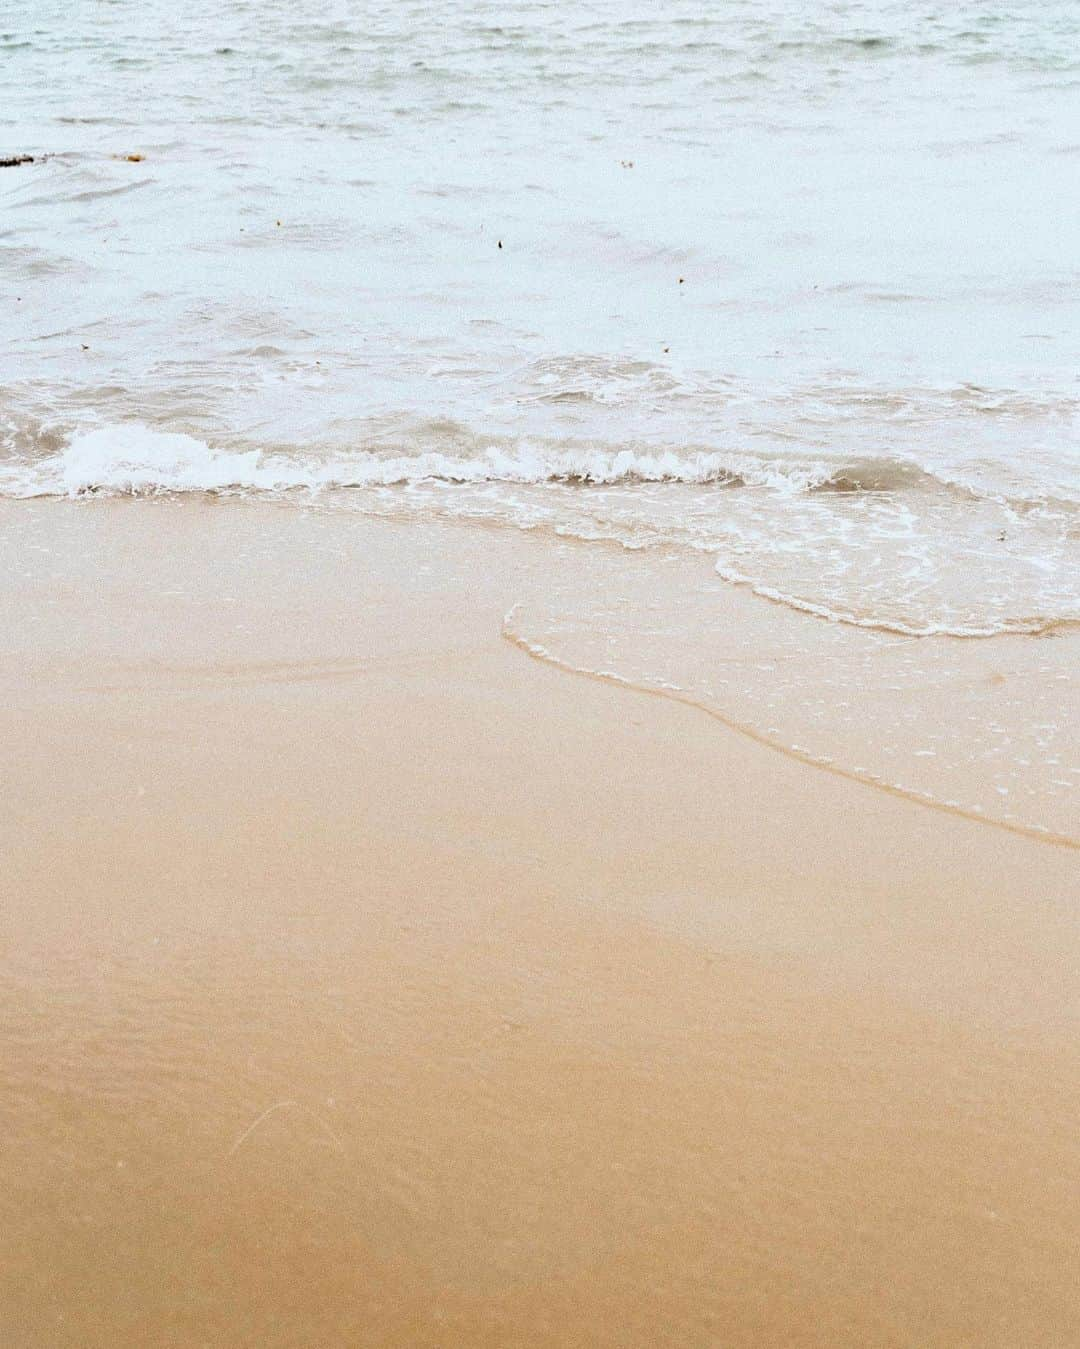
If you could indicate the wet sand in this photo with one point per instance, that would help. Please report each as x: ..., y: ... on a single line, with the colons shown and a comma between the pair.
x: 368, y: 983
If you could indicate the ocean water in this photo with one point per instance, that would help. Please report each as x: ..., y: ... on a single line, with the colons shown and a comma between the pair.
x: 789, y: 292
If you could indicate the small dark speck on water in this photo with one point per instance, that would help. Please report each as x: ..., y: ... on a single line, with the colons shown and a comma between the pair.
x: 681, y: 280
x: 500, y: 243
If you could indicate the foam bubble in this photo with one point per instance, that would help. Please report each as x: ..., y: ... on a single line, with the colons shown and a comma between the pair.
x: 132, y: 458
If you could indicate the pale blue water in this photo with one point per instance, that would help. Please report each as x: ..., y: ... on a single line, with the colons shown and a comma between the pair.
x: 792, y: 287
x: 789, y: 235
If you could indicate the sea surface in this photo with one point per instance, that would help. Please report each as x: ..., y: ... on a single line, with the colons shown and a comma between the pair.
x: 780, y: 299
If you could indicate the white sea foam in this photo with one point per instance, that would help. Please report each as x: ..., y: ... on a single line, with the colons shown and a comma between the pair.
x: 129, y: 458
x: 133, y: 458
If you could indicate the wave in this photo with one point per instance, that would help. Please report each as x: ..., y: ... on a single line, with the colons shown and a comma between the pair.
x: 1033, y: 626
x: 661, y: 688
x: 131, y: 459
x: 870, y: 542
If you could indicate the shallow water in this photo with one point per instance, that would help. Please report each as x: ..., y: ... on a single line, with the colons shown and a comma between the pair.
x: 793, y: 289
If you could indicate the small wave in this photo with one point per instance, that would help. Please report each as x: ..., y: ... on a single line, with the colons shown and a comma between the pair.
x: 131, y: 458
x: 868, y: 542
x: 658, y: 687
x: 86, y: 195
x: 1036, y: 626
x: 873, y: 475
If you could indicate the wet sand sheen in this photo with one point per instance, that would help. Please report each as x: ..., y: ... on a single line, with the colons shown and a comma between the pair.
x: 368, y: 983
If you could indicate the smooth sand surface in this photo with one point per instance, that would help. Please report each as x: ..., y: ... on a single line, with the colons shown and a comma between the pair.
x: 368, y: 983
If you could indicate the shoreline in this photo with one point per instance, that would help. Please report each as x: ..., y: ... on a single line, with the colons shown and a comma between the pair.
x: 369, y: 983
x: 1034, y: 832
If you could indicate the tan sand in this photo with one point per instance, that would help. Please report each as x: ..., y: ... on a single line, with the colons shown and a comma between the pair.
x: 367, y: 983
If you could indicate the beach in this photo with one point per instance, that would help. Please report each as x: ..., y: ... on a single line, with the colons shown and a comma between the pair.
x: 539, y: 675
x: 369, y: 982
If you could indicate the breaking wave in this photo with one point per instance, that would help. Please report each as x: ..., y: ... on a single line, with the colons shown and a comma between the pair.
x: 131, y: 459
x: 873, y: 542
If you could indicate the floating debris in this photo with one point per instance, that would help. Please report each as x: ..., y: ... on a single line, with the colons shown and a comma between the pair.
x: 15, y: 161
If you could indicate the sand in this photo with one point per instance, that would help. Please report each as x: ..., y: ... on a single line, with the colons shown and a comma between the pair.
x: 368, y: 983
